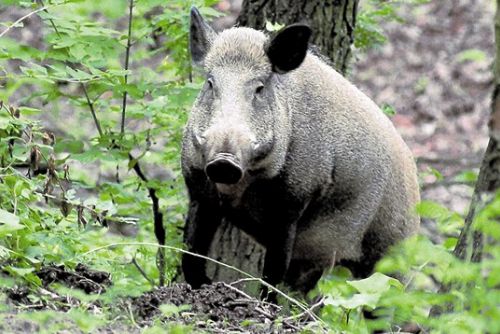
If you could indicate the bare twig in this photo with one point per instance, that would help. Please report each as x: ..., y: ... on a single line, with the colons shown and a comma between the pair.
x: 308, y: 311
x: 159, y: 229
x: 22, y: 19
x: 244, y: 294
x: 92, y: 110
x: 143, y: 273
x: 91, y: 210
x: 243, y: 280
x: 90, y: 104
x: 291, y: 325
x: 127, y: 57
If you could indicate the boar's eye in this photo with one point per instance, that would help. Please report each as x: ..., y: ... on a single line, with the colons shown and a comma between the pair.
x: 259, y: 89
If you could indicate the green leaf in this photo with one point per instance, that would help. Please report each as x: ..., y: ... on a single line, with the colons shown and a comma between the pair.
x: 376, y: 283
x: 388, y: 110
x: 467, y: 176
x: 169, y: 310
x: 70, y: 146
x: 27, y: 111
x: 20, y: 272
x: 9, y: 223
x: 273, y: 26
x: 475, y: 55
x: 433, y: 210
x: 354, y: 301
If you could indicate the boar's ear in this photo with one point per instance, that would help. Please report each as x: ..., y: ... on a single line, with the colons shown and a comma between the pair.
x: 288, y: 48
x: 200, y: 37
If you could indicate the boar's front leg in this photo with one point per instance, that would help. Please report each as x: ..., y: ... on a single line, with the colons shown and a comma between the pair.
x: 201, y: 225
x: 202, y: 222
x: 281, y: 222
x: 278, y: 255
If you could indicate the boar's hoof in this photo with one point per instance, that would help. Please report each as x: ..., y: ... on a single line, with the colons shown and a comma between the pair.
x: 224, y: 169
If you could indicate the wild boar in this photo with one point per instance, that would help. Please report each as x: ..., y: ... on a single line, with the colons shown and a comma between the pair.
x: 285, y: 148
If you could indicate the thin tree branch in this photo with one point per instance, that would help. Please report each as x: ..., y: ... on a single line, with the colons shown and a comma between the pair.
x: 92, y: 110
x: 127, y: 58
x: 22, y: 19
x: 143, y: 273
x: 159, y: 229
x: 90, y: 104
x: 50, y: 20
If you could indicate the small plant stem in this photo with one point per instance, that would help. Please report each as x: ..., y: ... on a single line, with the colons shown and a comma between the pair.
x: 91, y: 105
x: 92, y: 110
x: 127, y: 58
x: 143, y: 273
x: 51, y: 21
x: 159, y: 229
x: 22, y: 19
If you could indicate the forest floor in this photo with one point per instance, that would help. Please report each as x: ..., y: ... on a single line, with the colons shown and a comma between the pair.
x: 218, y: 307
x: 434, y: 70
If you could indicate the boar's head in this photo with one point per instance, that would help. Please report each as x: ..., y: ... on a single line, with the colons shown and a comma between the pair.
x: 240, y: 123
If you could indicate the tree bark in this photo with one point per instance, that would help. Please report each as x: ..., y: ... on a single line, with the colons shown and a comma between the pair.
x: 332, y: 22
x: 471, y: 242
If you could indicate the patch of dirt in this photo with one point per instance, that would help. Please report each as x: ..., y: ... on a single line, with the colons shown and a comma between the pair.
x: 83, y: 278
x: 88, y: 280
x: 216, y: 307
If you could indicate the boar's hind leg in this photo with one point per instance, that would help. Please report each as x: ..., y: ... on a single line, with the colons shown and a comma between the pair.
x: 372, y: 250
x: 303, y: 275
x: 201, y: 224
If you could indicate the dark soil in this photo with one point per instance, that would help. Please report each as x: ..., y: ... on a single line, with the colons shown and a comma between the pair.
x: 88, y: 280
x: 83, y: 278
x: 218, y: 306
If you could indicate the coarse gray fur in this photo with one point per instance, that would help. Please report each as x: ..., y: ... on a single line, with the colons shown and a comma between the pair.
x: 351, y: 175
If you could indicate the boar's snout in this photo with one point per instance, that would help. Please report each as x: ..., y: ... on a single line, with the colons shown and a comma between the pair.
x: 224, y: 168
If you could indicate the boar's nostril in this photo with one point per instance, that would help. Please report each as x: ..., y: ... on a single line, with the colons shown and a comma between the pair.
x: 224, y: 170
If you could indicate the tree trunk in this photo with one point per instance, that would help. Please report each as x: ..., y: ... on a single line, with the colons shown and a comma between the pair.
x: 332, y: 22
x: 470, y: 243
